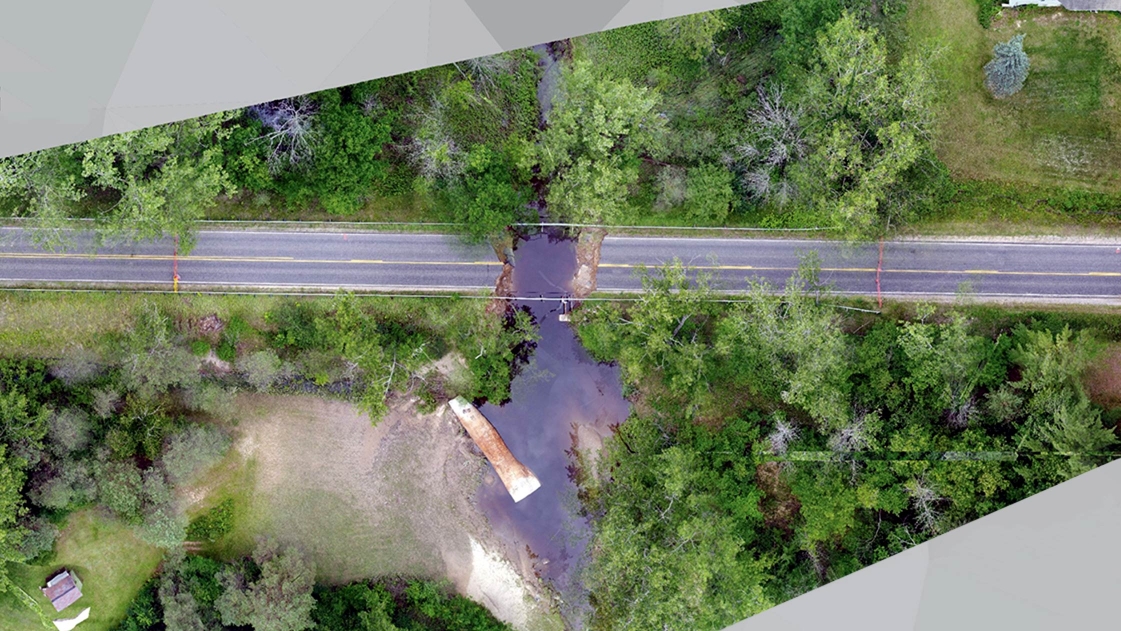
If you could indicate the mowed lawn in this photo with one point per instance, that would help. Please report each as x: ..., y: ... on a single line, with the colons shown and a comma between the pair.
x: 109, y: 560
x: 1061, y: 129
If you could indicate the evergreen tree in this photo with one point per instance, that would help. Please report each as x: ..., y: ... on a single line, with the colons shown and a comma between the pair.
x: 1005, y: 74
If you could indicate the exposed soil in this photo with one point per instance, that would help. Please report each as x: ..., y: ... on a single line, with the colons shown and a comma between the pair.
x: 1103, y: 379
x: 211, y: 364
x: 209, y: 327
x: 779, y: 506
x: 366, y: 501
x: 587, y: 261
x: 503, y: 288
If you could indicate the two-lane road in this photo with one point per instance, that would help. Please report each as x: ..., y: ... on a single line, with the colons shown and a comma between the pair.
x: 262, y: 260
x: 292, y: 261
x: 1066, y: 271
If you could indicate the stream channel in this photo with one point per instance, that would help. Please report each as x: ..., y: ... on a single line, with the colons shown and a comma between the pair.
x: 560, y: 399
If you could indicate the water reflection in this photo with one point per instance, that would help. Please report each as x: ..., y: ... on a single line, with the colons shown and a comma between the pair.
x: 562, y: 394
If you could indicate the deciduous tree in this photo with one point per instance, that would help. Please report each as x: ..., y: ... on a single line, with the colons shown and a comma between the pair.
x: 278, y: 599
x: 598, y: 127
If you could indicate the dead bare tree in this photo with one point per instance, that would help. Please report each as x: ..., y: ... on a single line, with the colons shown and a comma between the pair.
x: 433, y: 150
x: 925, y: 500
x: 775, y: 141
x: 291, y: 131
x: 784, y: 434
x: 483, y: 72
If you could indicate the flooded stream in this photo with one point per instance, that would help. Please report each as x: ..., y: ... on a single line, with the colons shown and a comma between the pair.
x: 560, y: 400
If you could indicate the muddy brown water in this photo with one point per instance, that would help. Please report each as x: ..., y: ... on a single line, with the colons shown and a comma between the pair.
x: 560, y: 389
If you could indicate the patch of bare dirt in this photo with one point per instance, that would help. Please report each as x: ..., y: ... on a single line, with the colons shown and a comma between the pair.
x: 587, y: 261
x: 779, y: 506
x: 210, y: 326
x: 1103, y: 379
x: 215, y: 366
x: 503, y: 288
x: 392, y: 499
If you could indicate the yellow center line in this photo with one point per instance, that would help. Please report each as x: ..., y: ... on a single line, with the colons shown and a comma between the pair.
x: 983, y: 272
x: 232, y: 259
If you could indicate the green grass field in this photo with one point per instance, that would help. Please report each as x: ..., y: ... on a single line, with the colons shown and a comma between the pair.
x: 109, y: 560
x: 1060, y: 130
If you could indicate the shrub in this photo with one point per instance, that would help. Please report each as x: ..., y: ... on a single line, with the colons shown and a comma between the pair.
x: 38, y: 539
x: 77, y: 366
x: 671, y: 187
x: 69, y: 485
x: 261, y: 369
x: 1005, y: 74
x: 213, y: 524
x: 708, y: 193
x: 227, y: 351
x: 118, y: 489
x: 193, y: 450
x: 986, y: 11
x: 199, y: 348
x: 163, y: 526
x: 69, y: 431
x: 144, y: 612
x: 105, y: 402
x: 213, y: 399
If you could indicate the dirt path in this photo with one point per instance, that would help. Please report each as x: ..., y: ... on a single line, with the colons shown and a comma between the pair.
x: 366, y: 501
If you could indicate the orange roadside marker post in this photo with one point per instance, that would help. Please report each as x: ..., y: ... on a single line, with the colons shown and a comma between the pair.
x: 175, y: 268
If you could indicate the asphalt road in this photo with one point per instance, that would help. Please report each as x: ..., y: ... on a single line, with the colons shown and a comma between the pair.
x: 264, y: 260
x: 423, y: 262
x: 1075, y: 272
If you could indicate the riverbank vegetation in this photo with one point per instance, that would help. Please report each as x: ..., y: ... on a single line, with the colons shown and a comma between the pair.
x: 861, y: 117
x: 274, y: 590
x: 112, y: 408
x: 781, y: 443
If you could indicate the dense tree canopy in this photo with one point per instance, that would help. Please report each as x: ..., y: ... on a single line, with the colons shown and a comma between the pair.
x: 597, y: 130
x: 808, y: 450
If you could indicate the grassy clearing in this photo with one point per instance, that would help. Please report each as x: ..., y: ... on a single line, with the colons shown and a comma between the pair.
x: 406, y: 207
x: 1059, y: 130
x: 111, y: 563
x: 47, y: 324
x: 361, y: 500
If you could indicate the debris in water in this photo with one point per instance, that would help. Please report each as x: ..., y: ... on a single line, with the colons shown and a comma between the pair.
x: 519, y: 480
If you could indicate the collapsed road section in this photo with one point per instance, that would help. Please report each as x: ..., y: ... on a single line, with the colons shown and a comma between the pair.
x: 519, y: 480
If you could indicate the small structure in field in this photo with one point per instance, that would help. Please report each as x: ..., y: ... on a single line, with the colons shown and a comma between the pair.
x: 519, y: 480
x: 63, y: 589
x: 70, y: 623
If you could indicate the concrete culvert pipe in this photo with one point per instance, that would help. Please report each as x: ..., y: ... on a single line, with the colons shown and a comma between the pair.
x: 519, y: 480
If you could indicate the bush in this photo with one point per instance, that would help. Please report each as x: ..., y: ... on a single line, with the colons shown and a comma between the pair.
x: 119, y: 488
x: 261, y: 369
x: 69, y: 431
x: 193, y: 450
x: 212, y: 399
x: 200, y: 348
x: 227, y: 351
x: 986, y: 11
x: 39, y: 538
x: 1005, y: 74
x: 144, y: 612
x: 105, y: 402
x: 670, y: 185
x: 77, y: 366
x: 213, y: 524
x: 708, y: 193
x: 69, y: 485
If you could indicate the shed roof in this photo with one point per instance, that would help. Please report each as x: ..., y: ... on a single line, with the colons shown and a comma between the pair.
x: 62, y: 590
